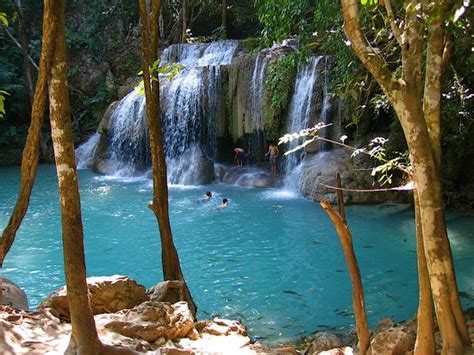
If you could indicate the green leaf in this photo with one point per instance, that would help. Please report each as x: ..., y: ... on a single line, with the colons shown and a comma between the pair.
x: 3, y: 93
x: 3, y: 18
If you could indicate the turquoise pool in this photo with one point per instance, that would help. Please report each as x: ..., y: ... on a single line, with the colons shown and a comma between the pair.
x: 271, y: 258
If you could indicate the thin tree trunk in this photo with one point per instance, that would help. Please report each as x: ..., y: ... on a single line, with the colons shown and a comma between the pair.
x: 24, y: 51
x: 224, y: 15
x: 30, y: 157
x: 184, y: 33
x: 345, y: 238
x: 425, y: 341
x: 170, y: 260
x: 84, y: 339
x: 27, y: 72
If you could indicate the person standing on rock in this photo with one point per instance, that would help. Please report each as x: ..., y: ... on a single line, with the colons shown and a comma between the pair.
x: 239, y: 156
x: 273, y: 152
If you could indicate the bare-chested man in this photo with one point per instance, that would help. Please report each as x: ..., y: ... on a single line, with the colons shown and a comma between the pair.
x: 273, y: 151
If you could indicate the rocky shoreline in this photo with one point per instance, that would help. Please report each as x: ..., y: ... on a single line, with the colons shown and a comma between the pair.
x: 127, y: 315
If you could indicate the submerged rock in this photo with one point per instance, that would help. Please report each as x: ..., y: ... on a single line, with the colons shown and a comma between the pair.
x: 107, y: 294
x: 13, y: 295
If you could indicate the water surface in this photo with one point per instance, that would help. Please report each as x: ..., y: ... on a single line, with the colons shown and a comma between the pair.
x: 271, y: 258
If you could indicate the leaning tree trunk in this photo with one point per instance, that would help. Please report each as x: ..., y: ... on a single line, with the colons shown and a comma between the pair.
x: 170, y: 260
x: 84, y: 339
x: 30, y: 157
x: 358, y: 303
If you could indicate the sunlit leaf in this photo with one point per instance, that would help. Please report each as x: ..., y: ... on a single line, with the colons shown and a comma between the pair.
x: 3, y: 18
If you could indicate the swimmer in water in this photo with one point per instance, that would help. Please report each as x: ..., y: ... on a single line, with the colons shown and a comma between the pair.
x: 207, y: 196
x: 224, y: 204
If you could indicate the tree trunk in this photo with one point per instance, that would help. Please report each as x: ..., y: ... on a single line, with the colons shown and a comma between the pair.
x: 24, y: 51
x: 345, y: 238
x: 425, y: 341
x: 84, y: 337
x: 421, y: 131
x: 224, y: 15
x: 184, y: 34
x: 27, y: 71
x: 438, y: 255
x: 30, y: 157
x: 170, y: 260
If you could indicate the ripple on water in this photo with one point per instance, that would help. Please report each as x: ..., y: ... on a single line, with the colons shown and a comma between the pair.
x: 270, y: 258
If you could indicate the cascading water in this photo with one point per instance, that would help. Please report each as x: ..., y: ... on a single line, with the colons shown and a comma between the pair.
x: 301, y: 115
x: 326, y: 109
x: 191, y: 106
x: 257, y: 87
x: 85, y: 153
x: 128, y: 136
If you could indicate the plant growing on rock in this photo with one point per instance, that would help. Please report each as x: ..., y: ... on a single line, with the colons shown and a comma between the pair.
x: 279, y: 79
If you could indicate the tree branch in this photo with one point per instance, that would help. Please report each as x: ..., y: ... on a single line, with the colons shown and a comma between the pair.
x: 19, y: 45
x: 369, y: 56
x: 412, y: 50
x: 393, y: 23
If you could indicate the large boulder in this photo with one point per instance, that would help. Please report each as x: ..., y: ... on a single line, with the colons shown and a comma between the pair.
x: 13, y: 295
x: 251, y: 177
x: 320, y: 169
x: 150, y: 321
x: 392, y: 341
x: 323, y: 341
x: 220, y: 327
x: 166, y: 291
x: 107, y: 294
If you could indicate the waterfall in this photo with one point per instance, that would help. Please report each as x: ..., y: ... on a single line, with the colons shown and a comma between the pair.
x: 301, y: 114
x: 191, y: 107
x: 85, y: 153
x: 326, y: 109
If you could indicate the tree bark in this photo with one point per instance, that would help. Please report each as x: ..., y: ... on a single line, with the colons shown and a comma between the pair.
x: 27, y: 60
x: 24, y: 51
x: 170, y: 260
x: 224, y: 15
x: 30, y: 157
x: 345, y: 238
x: 421, y: 131
x: 425, y: 341
x: 184, y: 12
x: 84, y: 337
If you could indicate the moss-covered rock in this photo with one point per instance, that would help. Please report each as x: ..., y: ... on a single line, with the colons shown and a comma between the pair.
x: 278, y: 88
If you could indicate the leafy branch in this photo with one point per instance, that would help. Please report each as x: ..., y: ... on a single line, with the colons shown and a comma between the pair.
x: 170, y: 70
x: 375, y: 149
